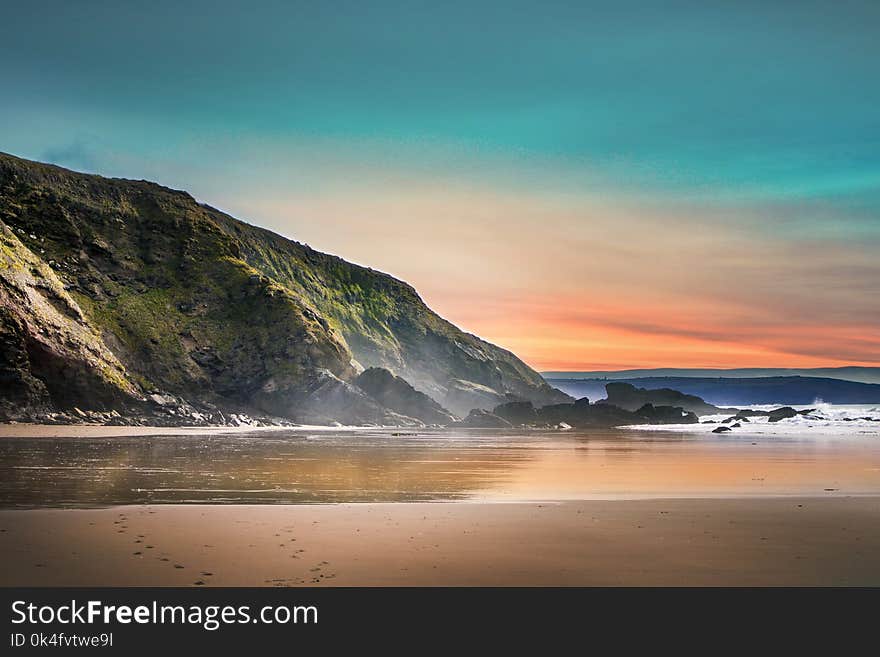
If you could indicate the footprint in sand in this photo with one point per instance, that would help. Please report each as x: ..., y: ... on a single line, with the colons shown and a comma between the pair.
x: 177, y: 565
x: 198, y: 583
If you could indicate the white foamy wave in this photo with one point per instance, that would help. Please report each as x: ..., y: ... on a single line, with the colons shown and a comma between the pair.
x: 822, y: 420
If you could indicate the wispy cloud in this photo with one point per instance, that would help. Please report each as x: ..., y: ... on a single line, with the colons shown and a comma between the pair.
x: 76, y: 155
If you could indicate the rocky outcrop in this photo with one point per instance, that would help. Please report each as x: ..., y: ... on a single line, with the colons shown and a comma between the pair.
x: 583, y: 414
x: 628, y: 397
x: 517, y: 413
x: 49, y: 351
x: 479, y: 418
x: 666, y: 415
x: 397, y: 395
x: 781, y: 414
x: 325, y: 398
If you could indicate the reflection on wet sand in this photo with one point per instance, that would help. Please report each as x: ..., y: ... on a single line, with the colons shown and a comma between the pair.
x: 379, y: 466
x: 256, y: 468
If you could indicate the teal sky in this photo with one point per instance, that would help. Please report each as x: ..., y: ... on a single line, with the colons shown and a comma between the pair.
x: 747, y: 119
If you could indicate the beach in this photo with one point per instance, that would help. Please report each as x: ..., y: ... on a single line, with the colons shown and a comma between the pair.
x: 682, y: 542
x: 123, y: 506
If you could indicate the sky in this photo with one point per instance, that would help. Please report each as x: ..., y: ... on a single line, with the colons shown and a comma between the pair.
x: 593, y: 185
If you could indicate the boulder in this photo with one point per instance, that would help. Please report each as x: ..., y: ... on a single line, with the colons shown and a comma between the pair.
x: 781, y: 414
x: 666, y: 415
x: 396, y: 394
x: 518, y: 412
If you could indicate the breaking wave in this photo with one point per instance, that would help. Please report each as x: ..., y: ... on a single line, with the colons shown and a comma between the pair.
x: 822, y: 420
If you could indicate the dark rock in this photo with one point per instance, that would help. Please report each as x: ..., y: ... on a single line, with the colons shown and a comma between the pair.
x: 325, y: 398
x: 583, y: 414
x: 721, y: 429
x: 630, y: 398
x: 479, y: 418
x: 586, y: 415
x: 520, y: 412
x: 747, y: 413
x: 781, y: 414
x: 399, y: 396
x: 666, y: 415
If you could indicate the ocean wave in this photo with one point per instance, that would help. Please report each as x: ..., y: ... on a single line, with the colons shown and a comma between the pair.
x: 823, y: 419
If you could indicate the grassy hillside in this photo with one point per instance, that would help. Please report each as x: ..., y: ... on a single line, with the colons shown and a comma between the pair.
x: 384, y: 321
x: 166, y: 294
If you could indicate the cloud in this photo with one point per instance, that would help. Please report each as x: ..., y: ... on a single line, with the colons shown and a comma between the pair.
x: 75, y: 155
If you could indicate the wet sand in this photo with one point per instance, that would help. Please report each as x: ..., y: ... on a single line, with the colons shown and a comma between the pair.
x: 745, y: 541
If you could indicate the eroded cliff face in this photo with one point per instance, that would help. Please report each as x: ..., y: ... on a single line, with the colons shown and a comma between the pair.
x: 50, y: 353
x: 114, y: 291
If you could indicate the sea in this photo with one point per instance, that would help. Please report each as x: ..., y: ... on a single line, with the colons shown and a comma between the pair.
x: 832, y: 451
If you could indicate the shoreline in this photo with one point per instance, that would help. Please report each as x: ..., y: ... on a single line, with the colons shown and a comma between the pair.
x: 33, y: 430
x: 794, y: 541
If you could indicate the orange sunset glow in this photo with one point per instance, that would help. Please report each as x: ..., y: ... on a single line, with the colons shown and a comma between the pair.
x: 595, y: 284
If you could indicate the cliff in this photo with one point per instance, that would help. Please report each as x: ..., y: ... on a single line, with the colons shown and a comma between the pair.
x: 118, y: 295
